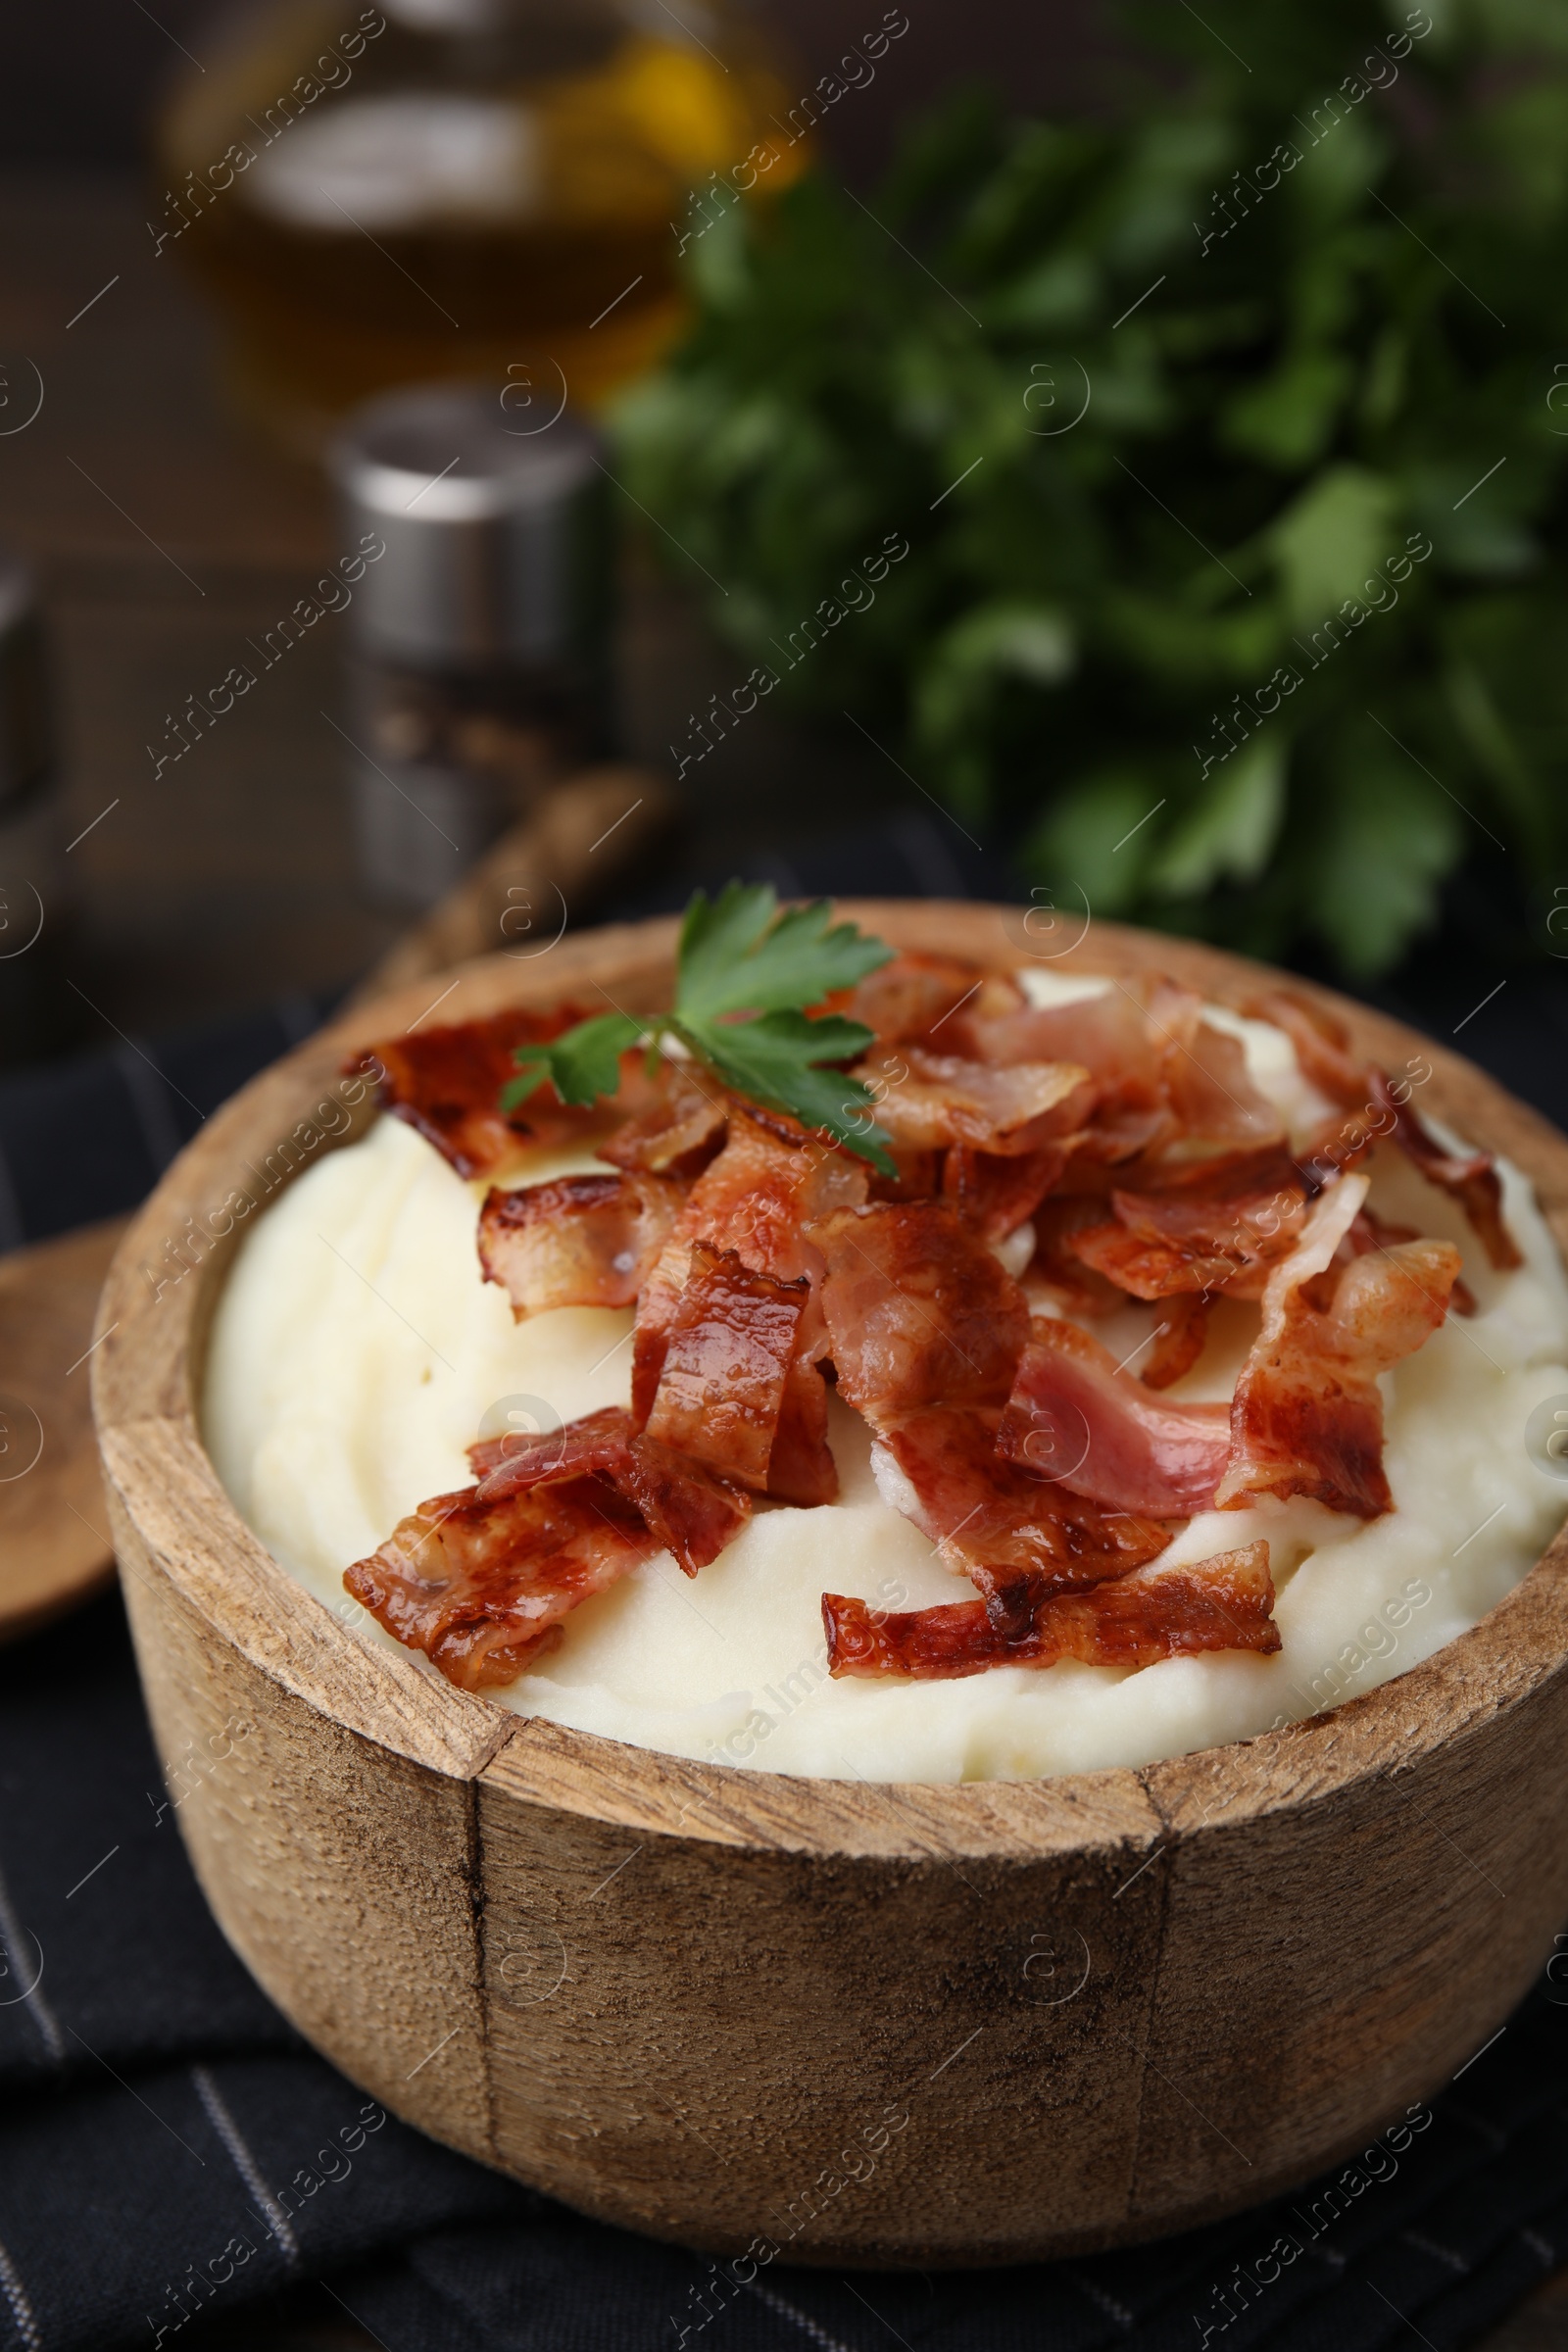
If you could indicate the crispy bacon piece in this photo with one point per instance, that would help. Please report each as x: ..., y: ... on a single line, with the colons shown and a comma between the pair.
x: 801, y: 1468
x: 995, y: 1193
x: 482, y: 1587
x: 576, y: 1240
x: 1307, y: 1415
x: 1322, y: 1045
x: 1225, y: 1602
x: 678, y: 1135
x: 916, y: 995
x: 1165, y: 1080
x: 925, y: 1102
x: 1322, y: 1049
x: 692, y: 1513
x: 535, y: 1458
x: 1058, y: 1222
x: 1076, y: 1418
x: 1179, y: 1338
x: 1218, y: 1230
x: 918, y: 1311
x: 445, y: 1083
x: 1109, y: 1034
x: 1208, y: 1087
x: 1147, y: 1269
x: 1258, y: 1192
x: 1469, y: 1177
x: 727, y: 1358
x: 994, y: 1520
x: 925, y: 1331
x: 1372, y: 1232
x: 481, y: 1579
x: 757, y: 1200
x: 689, y: 1512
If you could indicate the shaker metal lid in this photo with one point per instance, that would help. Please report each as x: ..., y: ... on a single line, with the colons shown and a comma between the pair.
x: 23, y: 689
x: 495, y: 536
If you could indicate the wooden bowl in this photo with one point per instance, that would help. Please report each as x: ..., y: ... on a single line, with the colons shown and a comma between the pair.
x: 870, y: 2025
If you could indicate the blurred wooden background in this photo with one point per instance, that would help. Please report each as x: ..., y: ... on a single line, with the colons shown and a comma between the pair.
x: 164, y: 537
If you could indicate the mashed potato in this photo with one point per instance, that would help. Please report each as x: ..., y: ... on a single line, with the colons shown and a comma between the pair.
x: 356, y: 1354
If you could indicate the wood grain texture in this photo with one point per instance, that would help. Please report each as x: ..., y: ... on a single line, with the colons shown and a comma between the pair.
x: 871, y: 2025
x: 55, y: 1548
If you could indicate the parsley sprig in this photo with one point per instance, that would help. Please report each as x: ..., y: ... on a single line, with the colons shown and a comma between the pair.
x: 744, y: 975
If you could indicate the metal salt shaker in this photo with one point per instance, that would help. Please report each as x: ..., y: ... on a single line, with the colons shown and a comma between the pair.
x: 480, y: 670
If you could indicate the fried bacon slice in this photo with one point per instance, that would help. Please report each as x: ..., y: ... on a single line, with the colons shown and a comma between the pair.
x: 482, y: 1587
x: 1371, y: 1097
x: 1322, y: 1045
x: 1179, y: 1338
x: 1154, y: 1269
x: 445, y: 1083
x: 1165, y: 1080
x: 1226, y: 1602
x: 1075, y: 1417
x: 1111, y: 1037
x: 994, y: 1520
x: 917, y: 1309
x: 757, y: 1199
x: 926, y: 1330
x: 691, y: 1513
x: 727, y: 1358
x: 1469, y: 1177
x: 926, y: 1101
x: 678, y: 1135
x: 1372, y: 1232
x: 1308, y: 1416
x: 801, y: 1468
x: 997, y: 1193
x: 1219, y: 1231
x: 1209, y: 1090
x: 536, y: 1457
x: 1107, y: 1032
x: 1058, y: 1222
x: 576, y: 1240
x: 916, y: 995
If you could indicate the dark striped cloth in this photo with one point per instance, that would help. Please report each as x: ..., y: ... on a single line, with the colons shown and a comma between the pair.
x: 171, y: 2152
x: 172, y: 2156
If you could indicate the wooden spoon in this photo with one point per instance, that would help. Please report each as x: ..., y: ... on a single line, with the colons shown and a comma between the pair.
x: 54, y: 1526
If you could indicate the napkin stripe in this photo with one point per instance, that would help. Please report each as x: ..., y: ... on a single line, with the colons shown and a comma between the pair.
x: 38, y: 2009
x: 16, y: 2296
x: 798, y: 2319
x: 245, y: 2164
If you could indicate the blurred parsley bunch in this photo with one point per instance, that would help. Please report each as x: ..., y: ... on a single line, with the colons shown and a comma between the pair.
x: 1271, y: 634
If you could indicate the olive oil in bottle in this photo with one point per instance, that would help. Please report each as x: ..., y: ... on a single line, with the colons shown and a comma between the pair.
x: 491, y: 190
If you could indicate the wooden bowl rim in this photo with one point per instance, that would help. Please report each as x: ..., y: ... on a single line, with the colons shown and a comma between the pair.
x: 148, y: 1351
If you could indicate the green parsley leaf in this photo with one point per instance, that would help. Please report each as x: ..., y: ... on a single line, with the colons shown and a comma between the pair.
x: 744, y: 975
x: 739, y: 954
x: 715, y: 938
x: 1262, y: 518
x: 773, y: 1060
x: 581, y: 1065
